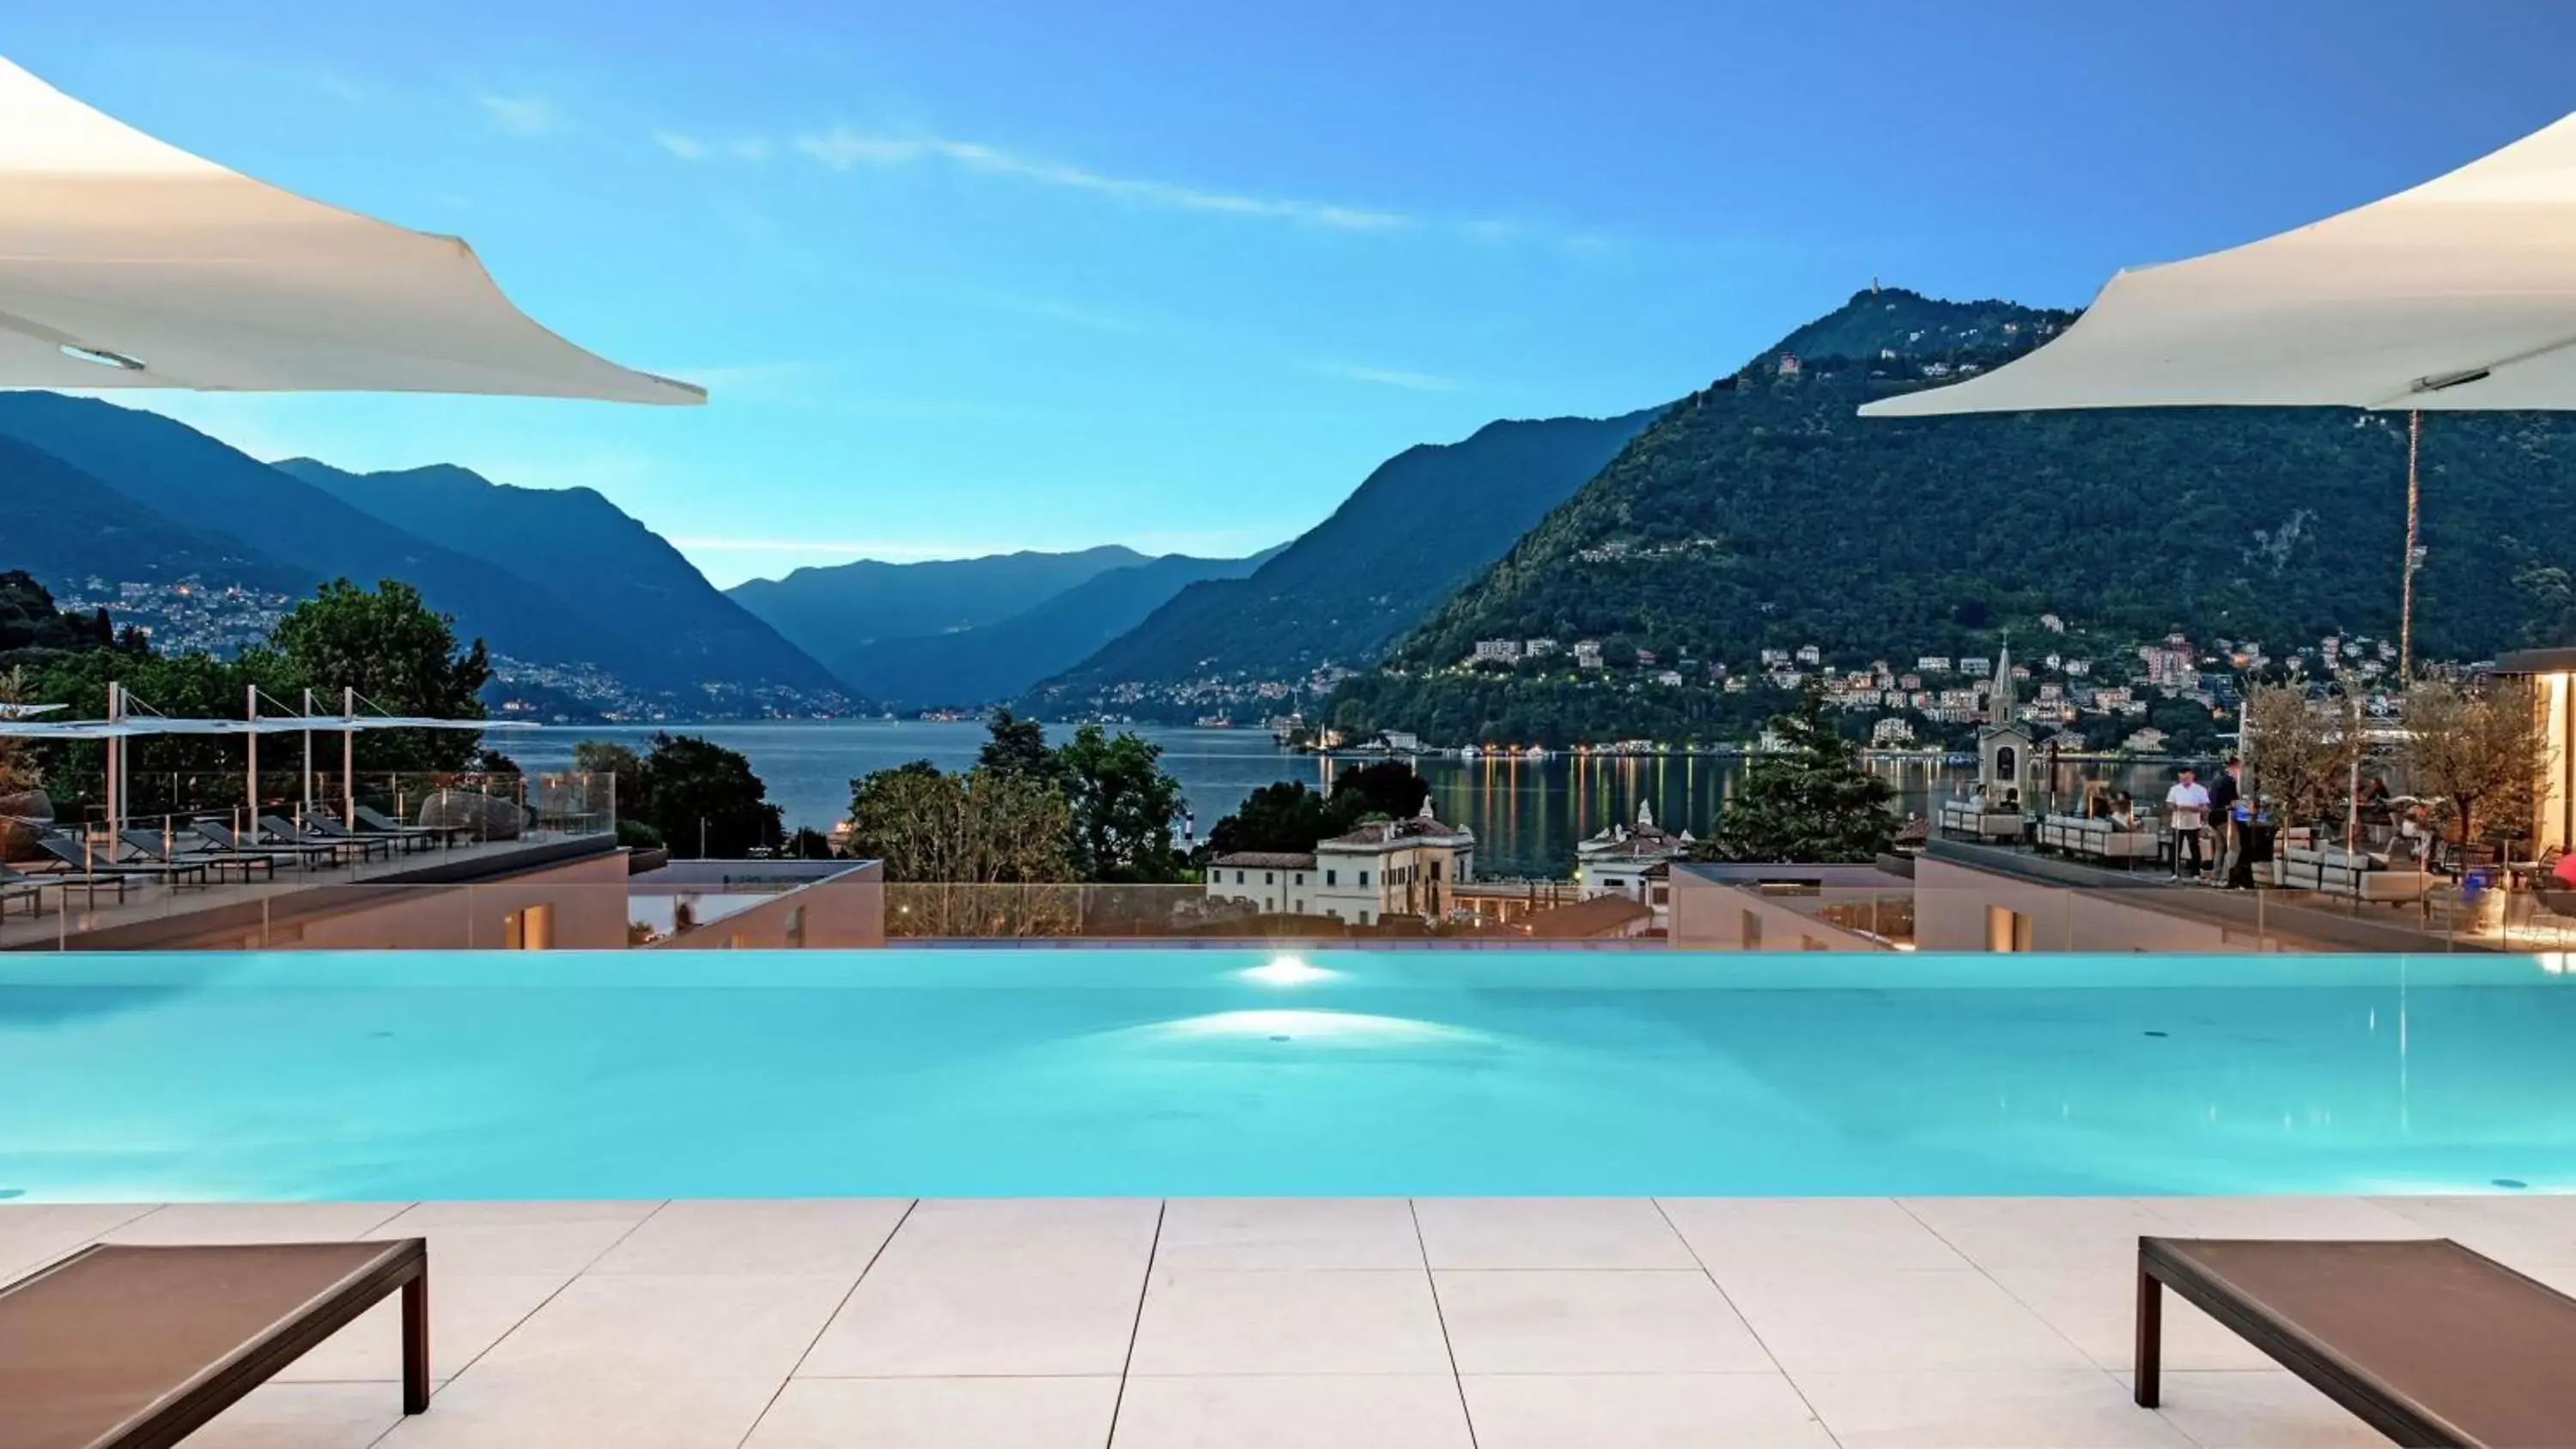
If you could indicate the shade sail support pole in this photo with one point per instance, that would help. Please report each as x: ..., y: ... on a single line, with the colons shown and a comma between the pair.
x: 349, y: 758
x: 249, y: 821
x: 2406, y: 583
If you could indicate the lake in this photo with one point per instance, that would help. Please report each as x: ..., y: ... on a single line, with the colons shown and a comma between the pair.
x: 1527, y: 816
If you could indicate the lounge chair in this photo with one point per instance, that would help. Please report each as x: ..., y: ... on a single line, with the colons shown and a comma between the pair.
x: 324, y: 823
x: 156, y: 849
x: 383, y: 824
x: 19, y: 889
x: 79, y: 855
x: 361, y: 848
x: 249, y: 843
x: 2428, y: 1342
x: 66, y: 881
x: 122, y: 1347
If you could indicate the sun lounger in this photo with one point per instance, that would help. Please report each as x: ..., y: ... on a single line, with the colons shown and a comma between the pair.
x: 2428, y: 1342
x: 65, y: 881
x: 18, y: 890
x: 249, y: 843
x: 326, y: 824
x: 384, y: 824
x: 119, y: 1347
x: 348, y: 846
x: 82, y: 857
x: 156, y: 849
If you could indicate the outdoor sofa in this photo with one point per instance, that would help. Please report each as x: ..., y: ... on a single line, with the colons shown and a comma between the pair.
x: 2340, y: 871
x: 2428, y: 1342
x: 2098, y: 839
x: 130, y: 1347
x: 1964, y: 817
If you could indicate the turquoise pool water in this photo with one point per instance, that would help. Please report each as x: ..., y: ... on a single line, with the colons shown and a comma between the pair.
x: 652, y: 1074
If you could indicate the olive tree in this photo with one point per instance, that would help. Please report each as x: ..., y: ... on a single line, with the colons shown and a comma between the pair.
x: 2483, y: 751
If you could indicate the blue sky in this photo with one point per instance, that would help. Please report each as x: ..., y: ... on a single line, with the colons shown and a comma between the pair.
x: 976, y: 276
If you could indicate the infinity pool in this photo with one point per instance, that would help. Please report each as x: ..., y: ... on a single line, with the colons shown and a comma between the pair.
x: 405, y: 1075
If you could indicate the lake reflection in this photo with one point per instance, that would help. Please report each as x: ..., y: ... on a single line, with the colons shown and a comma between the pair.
x: 1527, y: 814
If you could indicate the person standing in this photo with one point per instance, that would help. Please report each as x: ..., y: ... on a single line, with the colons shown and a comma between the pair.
x: 2186, y: 808
x: 2227, y: 835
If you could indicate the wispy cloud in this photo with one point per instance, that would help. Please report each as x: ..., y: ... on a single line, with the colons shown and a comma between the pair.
x: 519, y: 115
x: 843, y: 149
x: 690, y: 147
x: 1389, y: 377
x: 681, y: 144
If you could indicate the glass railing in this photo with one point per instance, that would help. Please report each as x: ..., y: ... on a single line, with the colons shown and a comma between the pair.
x: 381, y: 892
x: 458, y: 805
x: 584, y: 903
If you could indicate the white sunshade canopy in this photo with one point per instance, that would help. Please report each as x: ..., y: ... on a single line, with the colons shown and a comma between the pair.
x: 2457, y: 295
x: 147, y: 726
x: 127, y: 262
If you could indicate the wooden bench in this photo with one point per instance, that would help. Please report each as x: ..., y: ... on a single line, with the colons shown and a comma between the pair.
x: 2428, y: 1342
x: 128, y: 1347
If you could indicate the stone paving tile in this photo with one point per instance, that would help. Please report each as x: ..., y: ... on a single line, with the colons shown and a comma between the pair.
x: 1642, y: 1411
x: 1601, y: 1321
x: 468, y: 1313
x: 2022, y: 1232
x: 684, y: 1326
x: 273, y: 1222
x: 1984, y: 1410
x: 981, y: 1413
x: 1295, y: 1232
x: 1549, y: 1232
x: 1369, y: 1411
x: 1244, y: 1321
x: 549, y: 1406
x: 2270, y: 1409
x: 304, y: 1416
x: 811, y: 1235
x: 1017, y: 1318
x: 1774, y: 1235
x: 1897, y: 1322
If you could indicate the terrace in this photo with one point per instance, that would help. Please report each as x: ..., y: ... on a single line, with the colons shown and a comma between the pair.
x: 1194, y: 1321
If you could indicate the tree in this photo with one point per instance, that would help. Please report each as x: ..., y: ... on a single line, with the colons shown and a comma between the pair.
x: 2299, y: 759
x: 1123, y: 803
x: 704, y: 799
x: 17, y: 763
x: 1389, y: 788
x: 1812, y: 803
x: 1018, y: 747
x: 1283, y: 817
x: 399, y: 655
x: 621, y: 764
x: 2483, y: 752
x: 984, y: 827
x: 807, y: 843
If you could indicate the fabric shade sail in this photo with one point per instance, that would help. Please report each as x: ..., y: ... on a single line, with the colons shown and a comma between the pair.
x: 126, y: 262
x: 2457, y: 295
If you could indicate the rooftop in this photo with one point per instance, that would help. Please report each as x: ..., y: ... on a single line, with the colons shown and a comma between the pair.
x: 1266, y: 860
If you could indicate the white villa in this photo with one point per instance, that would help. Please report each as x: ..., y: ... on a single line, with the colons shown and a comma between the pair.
x: 1632, y: 861
x: 1383, y: 869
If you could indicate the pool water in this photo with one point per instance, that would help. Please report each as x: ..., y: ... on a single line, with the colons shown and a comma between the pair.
x: 400, y: 1075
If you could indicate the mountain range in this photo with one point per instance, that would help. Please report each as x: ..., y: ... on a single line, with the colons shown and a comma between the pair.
x: 1762, y: 512
x: 553, y: 578
x: 1419, y: 524
x: 999, y: 660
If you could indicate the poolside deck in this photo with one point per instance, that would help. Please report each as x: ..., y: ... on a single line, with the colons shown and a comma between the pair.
x: 1492, y: 1323
x: 155, y: 915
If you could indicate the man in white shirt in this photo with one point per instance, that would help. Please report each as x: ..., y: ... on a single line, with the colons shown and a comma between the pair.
x: 2186, y: 810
